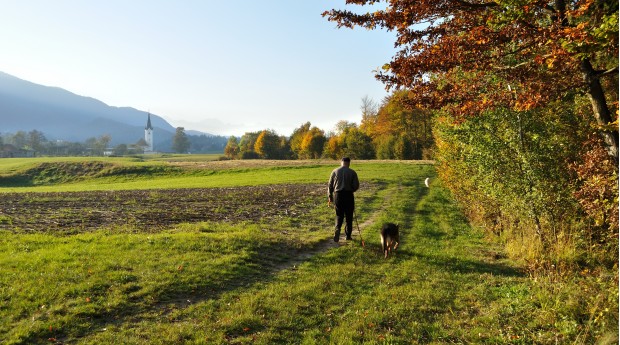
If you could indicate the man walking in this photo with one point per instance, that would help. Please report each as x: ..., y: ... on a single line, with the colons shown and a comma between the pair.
x: 343, y: 183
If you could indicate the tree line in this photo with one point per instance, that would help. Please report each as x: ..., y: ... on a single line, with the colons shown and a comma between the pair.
x: 35, y: 141
x: 390, y: 130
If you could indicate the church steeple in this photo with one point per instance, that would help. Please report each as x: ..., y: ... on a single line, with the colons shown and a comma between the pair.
x: 148, y: 135
x: 148, y: 123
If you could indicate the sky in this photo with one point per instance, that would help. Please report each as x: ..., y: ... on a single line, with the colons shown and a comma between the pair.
x: 221, y: 67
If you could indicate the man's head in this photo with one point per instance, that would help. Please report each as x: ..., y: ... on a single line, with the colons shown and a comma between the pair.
x: 346, y: 161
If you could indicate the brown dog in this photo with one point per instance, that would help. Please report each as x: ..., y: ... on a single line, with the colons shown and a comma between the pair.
x: 389, y: 238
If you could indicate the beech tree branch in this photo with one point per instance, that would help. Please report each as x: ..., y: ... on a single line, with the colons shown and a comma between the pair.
x: 482, y: 5
x: 600, y: 74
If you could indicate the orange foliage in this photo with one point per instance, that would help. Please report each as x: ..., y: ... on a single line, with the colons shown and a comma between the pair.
x: 536, y: 48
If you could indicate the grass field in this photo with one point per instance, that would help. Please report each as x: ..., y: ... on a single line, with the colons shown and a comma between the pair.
x: 170, y: 250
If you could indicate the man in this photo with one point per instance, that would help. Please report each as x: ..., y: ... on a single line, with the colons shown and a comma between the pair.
x: 343, y: 183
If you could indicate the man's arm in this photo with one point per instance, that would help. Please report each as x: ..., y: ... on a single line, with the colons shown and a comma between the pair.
x: 355, y: 183
x: 330, y: 187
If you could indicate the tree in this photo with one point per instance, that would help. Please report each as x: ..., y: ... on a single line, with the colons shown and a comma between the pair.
x: 461, y: 55
x: 284, y: 148
x: 312, y: 144
x: 180, y: 141
x: 246, y: 145
x: 297, y: 137
x: 98, y: 145
x: 369, y: 110
x: 19, y: 139
x: 207, y: 143
x: 267, y: 145
x: 36, y: 140
x: 385, y: 147
x: 76, y: 149
x: 232, y: 148
x: 139, y: 146
x: 508, y: 172
x: 407, y: 130
x: 334, y: 147
x: 358, y: 144
x: 121, y: 149
x: 343, y: 126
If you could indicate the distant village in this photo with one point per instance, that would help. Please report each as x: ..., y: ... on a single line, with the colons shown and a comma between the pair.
x: 34, y: 143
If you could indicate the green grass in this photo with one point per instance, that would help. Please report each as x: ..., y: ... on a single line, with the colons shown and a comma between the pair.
x: 164, y: 174
x: 283, y: 282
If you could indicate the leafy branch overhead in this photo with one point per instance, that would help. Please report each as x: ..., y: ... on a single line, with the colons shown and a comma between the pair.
x: 462, y: 55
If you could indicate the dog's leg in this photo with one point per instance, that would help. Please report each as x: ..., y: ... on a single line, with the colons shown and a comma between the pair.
x: 384, y: 245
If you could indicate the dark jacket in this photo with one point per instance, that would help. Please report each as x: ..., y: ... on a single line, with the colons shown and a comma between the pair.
x: 342, y: 179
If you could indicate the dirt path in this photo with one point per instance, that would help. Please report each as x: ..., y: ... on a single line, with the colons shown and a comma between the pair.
x: 329, y: 243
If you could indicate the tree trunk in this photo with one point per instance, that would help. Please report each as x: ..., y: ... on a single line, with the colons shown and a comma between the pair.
x: 599, y: 107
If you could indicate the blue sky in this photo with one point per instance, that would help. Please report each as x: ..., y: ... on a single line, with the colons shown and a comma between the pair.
x: 223, y: 67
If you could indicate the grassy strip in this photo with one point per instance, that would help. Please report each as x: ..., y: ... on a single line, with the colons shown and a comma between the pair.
x: 152, y: 175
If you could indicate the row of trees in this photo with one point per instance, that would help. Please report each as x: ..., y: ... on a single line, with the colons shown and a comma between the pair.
x: 526, y: 104
x: 387, y: 131
x: 37, y: 142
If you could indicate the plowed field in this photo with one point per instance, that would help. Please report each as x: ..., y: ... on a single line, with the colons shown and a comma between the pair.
x: 152, y: 210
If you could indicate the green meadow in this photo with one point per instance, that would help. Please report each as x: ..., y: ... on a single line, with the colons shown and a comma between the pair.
x: 242, y: 275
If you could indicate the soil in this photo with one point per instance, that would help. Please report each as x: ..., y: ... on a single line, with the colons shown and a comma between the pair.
x: 152, y: 210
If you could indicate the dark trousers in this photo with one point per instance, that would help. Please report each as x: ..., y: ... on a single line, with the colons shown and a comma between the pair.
x: 345, y: 205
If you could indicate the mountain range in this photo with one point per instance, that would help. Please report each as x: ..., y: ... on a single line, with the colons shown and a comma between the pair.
x: 62, y: 115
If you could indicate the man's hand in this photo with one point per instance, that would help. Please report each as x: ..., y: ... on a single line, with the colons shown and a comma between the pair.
x: 329, y: 203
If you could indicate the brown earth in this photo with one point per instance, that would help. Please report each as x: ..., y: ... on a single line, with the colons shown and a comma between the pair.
x: 152, y: 210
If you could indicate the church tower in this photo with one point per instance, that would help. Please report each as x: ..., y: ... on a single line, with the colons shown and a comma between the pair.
x: 148, y: 135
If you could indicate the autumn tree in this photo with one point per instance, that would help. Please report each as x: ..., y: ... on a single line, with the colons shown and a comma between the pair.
x: 297, y: 137
x: 461, y: 55
x: 312, y: 144
x: 343, y: 126
x: 399, y: 131
x: 180, y: 141
x: 267, y: 145
x: 231, y: 150
x: 349, y: 140
x: 369, y: 109
x: 246, y: 145
x: 334, y: 147
x: 358, y: 145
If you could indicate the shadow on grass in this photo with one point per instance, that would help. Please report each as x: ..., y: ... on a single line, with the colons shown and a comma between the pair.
x: 261, y: 262
x: 462, y: 265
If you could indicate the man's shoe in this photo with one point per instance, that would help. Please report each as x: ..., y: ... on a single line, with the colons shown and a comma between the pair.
x: 336, y: 236
x: 349, y: 238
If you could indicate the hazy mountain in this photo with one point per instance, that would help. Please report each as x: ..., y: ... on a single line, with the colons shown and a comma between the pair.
x: 60, y: 114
